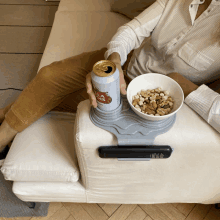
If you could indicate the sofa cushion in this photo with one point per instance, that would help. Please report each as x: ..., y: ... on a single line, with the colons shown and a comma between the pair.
x: 85, y: 5
x: 76, y: 32
x: 50, y: 192
x: 131, y: 8
x: 44, y: 151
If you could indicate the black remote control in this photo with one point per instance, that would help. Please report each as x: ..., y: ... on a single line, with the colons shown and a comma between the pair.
x: 147, y: 151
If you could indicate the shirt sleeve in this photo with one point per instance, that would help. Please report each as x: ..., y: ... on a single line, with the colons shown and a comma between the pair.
x: 130, y: 35
x: 206, y: 103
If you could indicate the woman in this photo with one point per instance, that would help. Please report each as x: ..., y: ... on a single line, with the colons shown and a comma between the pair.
x: 184, y: 45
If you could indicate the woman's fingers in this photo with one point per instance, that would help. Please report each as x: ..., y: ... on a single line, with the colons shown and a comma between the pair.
x: 122, y: 85
x: 90, y: 92
x: 122, y: 81
x: 88, y: 83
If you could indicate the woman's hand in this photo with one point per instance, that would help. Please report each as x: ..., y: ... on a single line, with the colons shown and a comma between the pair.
x: 122, y: 79
x: 116, y: 60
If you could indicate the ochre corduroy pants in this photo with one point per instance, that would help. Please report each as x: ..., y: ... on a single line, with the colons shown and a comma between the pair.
x: 59, y: 86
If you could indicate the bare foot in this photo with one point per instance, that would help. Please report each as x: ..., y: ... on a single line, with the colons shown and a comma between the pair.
x: 7, y: 134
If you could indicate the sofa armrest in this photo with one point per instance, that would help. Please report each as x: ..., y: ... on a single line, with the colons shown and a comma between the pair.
x: 183, y: 177
x: 44, y: 151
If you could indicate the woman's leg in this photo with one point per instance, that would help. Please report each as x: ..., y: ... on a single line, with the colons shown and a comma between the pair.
x: 64, y: 81
x: 69, y: 104
x: 58, y: 83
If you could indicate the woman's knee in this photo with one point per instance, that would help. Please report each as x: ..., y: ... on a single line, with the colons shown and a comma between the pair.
x: 49, y: 71
x: 80, y: 64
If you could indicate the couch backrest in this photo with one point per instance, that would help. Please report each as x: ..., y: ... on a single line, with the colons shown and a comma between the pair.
x: 85, y: 5
x: 129, y: 8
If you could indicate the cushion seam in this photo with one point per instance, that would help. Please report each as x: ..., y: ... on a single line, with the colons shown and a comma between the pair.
x: 4, y: 170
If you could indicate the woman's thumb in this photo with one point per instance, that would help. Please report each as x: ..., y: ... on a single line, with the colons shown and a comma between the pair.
x: 122, y: 80
x: 123, y: 89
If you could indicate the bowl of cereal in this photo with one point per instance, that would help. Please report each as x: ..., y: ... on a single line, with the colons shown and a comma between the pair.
x: 154, y: 96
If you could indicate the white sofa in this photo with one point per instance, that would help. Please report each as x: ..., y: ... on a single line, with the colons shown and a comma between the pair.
x: 56, y: 158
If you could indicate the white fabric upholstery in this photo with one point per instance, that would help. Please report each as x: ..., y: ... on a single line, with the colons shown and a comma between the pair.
x: 191, y: 174
x: 50, y: 191
x: 76, y: 32
x: 85, y: 5
x: 44, y: 151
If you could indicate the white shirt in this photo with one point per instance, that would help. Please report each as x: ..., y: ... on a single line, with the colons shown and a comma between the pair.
x: 163, y: 45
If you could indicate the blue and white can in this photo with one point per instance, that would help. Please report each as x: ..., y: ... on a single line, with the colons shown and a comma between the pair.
x: 106, y: 85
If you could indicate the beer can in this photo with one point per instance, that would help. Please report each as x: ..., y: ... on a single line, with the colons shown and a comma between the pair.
x: 106, y: 85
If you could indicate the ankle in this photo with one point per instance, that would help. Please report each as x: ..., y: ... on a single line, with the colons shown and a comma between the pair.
x: 2, y: 115
x: 8, y: 128
x: 7, y: 134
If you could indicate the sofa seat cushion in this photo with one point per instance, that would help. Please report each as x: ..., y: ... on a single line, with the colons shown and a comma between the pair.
x: 76, y: 32
x: 50, y: 191
x: 44, y: 151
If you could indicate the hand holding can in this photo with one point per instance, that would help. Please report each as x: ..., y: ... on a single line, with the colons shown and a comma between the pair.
x: 89, y: 86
